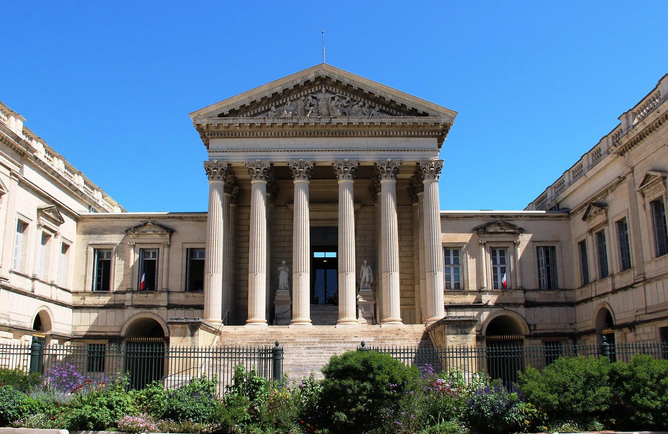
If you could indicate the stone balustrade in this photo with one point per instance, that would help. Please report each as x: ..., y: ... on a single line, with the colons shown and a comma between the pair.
x: 55, y: 161
x: 608, y: 144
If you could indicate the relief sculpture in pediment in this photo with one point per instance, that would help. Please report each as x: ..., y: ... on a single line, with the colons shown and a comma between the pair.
x: 323, y: 103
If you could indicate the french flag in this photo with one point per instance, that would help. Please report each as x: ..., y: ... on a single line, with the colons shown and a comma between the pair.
x: 142, y: 285
x: 504, y: 282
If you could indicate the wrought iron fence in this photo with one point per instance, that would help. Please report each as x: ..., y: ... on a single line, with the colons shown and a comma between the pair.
x: 505, y: 360
x: 144, y: 361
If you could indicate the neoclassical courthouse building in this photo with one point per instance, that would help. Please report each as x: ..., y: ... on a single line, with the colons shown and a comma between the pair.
x: 312, y: 178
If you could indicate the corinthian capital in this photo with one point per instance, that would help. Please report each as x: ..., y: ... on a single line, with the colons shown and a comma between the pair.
x: 230, y: 183
x: 345, y: 169
x: 388, y: 169
x: 258, y: 169
x: 216, y: 170
x: 301, y: 169
x: 431, y: 169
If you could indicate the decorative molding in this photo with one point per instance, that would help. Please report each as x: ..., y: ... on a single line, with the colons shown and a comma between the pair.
x: 345, y: 169
x: 301, y: 169
x: 374, y: 188
x: 593, y: 210
x: 272, y: 185
x: 234, y: 195
x: 388, y: 169
x: 417, y: 184
x: 216, y: 170
x: 652, y: 183
x: 498, y: 227
x: 431, y: 169
x: 149, y: 228
x: 49, y: 214
x: 258, y: 169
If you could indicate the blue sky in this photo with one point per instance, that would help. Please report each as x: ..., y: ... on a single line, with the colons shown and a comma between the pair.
x: 109, y: 85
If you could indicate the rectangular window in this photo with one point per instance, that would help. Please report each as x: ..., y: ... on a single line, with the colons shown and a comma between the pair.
x: 44, y: 256
x: 547, y: 267
x: 553, y: 350
x: 452, y: 269
x: 102, y: 267
x: 96, y: 356
x: 624, y: 245
x: 195, y: 270
x: 500, y: 268
x: 660, y: 230
x: 64, y: 265
x: 148, y: 269
x: 19, y: 244
x: 602, y: 253
x: 584, y: 262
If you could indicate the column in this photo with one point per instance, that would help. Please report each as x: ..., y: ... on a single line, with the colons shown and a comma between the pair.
x: 518, y: 269
x: 236, y: 191
x: 433, y: 251
x: 389, y: 241
x: 257, y: 263
x: 216, y: 171
x: 301, y: 244
x: 345, y: 172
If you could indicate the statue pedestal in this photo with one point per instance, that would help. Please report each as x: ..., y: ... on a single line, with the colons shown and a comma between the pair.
x: 366, y: 306
x: 282, y: 307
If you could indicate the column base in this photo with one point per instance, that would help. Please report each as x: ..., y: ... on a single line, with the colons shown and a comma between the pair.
x: 301, y: 323
x: 347, y: 322
x: 391, y: 322
x: 256, y: 323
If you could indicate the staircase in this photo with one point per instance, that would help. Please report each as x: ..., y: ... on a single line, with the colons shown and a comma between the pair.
x: 324, y: 314
x: 308, y: 349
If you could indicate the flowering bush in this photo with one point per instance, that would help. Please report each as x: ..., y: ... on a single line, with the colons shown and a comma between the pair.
x: 137, y: 424
x: 493, y: 408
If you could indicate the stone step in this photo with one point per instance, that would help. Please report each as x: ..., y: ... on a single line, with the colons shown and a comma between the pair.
x: 308, y: 349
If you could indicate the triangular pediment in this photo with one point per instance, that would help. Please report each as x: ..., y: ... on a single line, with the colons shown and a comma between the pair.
x: 50, y: 213
x: 651, y: 178
x: 594, y: 209
x: 3, y: 188
x: 322, y: 91
x: 149, y: 228
x: 498, y: 227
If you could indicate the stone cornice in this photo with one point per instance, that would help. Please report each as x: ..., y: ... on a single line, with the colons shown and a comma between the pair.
x: 625, y: 146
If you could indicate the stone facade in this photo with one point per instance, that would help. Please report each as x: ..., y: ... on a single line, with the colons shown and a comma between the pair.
x: 325, y: 170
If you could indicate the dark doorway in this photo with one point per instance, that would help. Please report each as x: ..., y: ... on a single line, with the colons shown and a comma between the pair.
x: 324, y: 265
x: 324, y: 285
x: 145, y: 352
x: 505, y: 349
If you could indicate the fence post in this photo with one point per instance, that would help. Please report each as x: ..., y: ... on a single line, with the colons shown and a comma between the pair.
x: 362, y: 347
x: 605, y: 348
x: 277, y: 352
x: 35, y: 357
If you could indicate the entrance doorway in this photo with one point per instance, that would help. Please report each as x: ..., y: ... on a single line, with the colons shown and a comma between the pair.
x: 145, y: 347
x: 325, y: 285
x: 324, y: 266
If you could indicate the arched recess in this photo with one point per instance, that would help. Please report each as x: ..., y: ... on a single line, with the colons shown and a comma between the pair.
x: 605, y: 324
x: 505, y: 323
x: 504, y: 333
x: 42, y: 325
x: 145, y: 325
x: 146, y: 338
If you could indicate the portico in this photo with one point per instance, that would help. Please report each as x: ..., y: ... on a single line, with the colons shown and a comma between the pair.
x: 322, y: 148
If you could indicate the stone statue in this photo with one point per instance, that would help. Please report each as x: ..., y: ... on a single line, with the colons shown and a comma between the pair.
x: 283, y: 273
x: 366, y: 276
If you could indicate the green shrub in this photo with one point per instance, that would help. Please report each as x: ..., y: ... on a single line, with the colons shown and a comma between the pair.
x: 640, y: 393
x: 20, y: 380
x: 100, y: 406
x: 151, y: 400
x: 360, y: 389
x: 15, y: 404
x: 252, y: 386
x: 196, y: 401
x: 450, y: 427
x: 574, y: 388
